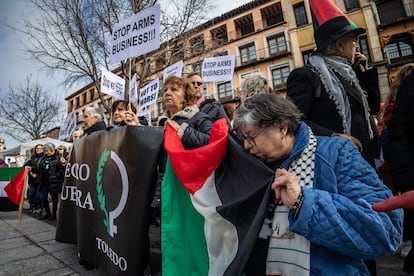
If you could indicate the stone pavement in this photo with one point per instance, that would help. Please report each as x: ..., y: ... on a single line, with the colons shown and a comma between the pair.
x: 29, y: 248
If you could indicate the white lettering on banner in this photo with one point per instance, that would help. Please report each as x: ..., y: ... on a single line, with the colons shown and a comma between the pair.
x: 78, y: 171
x: 118, y: 261
x: 71, y: 193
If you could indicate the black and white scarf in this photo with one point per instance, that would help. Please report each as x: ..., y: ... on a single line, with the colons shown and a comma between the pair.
x: 326, y: 67
x: 289, y: 253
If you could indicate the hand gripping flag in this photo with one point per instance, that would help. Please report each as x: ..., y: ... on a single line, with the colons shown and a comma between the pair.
x: 214, y: 200
x: 15, y: 187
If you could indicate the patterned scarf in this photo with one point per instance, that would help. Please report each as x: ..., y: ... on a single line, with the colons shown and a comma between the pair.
x: 289, y: 253
x: 326, y: 67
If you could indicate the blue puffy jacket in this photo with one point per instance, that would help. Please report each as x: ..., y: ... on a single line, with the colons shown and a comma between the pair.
x: 336, y: 216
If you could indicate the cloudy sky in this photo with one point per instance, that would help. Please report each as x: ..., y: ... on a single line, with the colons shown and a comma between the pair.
x: 16, y: 65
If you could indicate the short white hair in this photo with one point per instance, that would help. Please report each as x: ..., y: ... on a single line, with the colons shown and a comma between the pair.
x: 94, y: 112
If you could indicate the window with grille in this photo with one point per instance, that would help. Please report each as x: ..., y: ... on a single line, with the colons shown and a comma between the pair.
x: 277, y: 44
x: 363, y: 47
x: 225, y: 90
x: 300, y: 14
x: 279, y: 77
x: 248, y: 53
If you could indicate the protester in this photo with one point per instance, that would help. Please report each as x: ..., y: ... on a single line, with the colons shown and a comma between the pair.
x: 323, y: 189
x: 336, y: 91
x: 63, y: 154
x: 51, y: 171
x: 209, y: 106
x: 252, y: 85
x: 33, y: 194
x: 125, y: 114
x: 93, y: 121
x: 77, y: 134
x: 401, y: 156
x: 179, y: 98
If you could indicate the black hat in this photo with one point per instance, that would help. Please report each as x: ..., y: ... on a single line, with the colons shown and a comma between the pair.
x: 330, y: 23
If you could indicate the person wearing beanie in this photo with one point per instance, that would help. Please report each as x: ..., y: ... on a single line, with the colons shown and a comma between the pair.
x: 51, y: 171
x: 336, y: 91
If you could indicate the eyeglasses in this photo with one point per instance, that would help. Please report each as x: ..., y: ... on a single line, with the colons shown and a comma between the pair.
x: 197, y: 83
x: 251, y: 139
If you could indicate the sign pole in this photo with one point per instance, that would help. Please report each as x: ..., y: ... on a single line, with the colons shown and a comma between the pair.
x: 26, y: 178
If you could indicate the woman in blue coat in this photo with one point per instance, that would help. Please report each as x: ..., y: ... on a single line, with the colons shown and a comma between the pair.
x: 323, y: 223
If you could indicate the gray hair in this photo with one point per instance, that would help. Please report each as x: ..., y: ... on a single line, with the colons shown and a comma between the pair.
x: 267, y: 110
x: 94, y: 112
x: 254, y: 84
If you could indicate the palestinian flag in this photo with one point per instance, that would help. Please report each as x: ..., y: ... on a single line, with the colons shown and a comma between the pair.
x: 214, y: 200
x: 7, y: 174
x: 15, y: 187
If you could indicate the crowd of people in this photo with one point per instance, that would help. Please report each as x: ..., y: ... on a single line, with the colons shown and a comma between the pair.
x: 320, y: 140
x: 46, y: 174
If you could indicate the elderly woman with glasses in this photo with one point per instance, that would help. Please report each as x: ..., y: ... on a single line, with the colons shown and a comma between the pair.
x: 323, y: 223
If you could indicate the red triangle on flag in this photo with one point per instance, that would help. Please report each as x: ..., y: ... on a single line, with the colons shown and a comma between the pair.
x: 14, y: 189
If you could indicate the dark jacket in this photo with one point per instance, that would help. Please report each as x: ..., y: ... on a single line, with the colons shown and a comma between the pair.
x: 401, y: 137
x: 51, y: 172
x: 95, y: 127
x: 215, y: 110
x: 195, y: 126
x: 320, y: 113
x: 33, y: 164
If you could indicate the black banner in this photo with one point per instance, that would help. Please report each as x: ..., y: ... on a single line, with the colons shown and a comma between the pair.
x: 109, y: 185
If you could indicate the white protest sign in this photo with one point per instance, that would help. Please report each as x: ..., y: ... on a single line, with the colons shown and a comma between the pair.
x: 149, y: 93
x: 174, y: 70
x: 136, y: 35
x: 133, y: 94
x: 147, y: 114
x: 68, y: 127
x: 112, y: 84
x: 218, y: 68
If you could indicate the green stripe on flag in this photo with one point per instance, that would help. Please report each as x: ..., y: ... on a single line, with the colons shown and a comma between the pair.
x: 7, y: 174
x: 183, y: 244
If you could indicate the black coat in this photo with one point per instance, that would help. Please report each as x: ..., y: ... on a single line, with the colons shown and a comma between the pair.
x: 320, y: 112
x: 95, y: 127
x: 401, y: 137
x: 51, y: 172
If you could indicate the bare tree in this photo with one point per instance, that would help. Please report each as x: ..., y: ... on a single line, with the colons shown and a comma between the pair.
x: 73, y: 36
x: 28, y: 111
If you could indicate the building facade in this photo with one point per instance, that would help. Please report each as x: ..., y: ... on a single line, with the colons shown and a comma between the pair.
x: 271, y: 38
